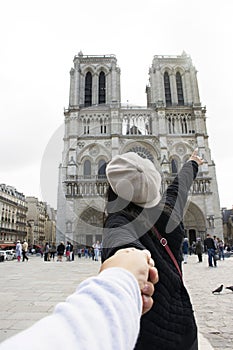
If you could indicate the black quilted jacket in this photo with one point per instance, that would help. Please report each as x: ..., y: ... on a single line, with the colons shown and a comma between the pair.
x: 170, y: 324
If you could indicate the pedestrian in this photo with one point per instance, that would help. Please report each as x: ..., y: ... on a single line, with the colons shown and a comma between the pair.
x: 220, y: 247
x: 185, y: 249
x: 210, y: 248
x: 86, y: 253
x: 79, y: 253
x: 71, y: 252
x: 46, y: 252
x: 137, y: 216
x: 68, y: 251
x: 92, y: 253
x: 199, y: 249
x: 96, y: 247
x: 25, y: 250
x: 18, y: 250
x: 52, y: 251
x: 117, y: 297
x: 60, y: 251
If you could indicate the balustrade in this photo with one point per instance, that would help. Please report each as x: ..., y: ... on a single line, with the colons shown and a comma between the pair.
x: 86, y: 187
x: 96, y: 186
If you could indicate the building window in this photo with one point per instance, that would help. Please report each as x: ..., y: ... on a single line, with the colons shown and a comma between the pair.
x: 142, y: 152
x: 184, y: 128
x: 171, y: 125
x: 174, y: 166
x: 86, y: 126
x: 88, y: 89
x: 102, y: 88
x: 87, y: 169
x: 103, y: 126
x: 167, y: 89
x: 179, y: 87
x: 101, y: 169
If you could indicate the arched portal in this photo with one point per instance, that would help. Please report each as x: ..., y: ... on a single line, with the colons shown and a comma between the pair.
x: 89, y: 227
x: 194, y: 222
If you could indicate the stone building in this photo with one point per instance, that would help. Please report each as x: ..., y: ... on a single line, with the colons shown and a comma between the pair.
x: 50, y: 224
x: 13, y: 211
x: 227, y: 218
x: 36, y: 218
x: 41, y: 222
x: 98, y: 126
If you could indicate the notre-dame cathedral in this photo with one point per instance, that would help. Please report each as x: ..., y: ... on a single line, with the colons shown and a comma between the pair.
x: 98, y: 126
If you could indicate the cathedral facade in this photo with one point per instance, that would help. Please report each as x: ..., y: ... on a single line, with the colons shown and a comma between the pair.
x: 98, y: 126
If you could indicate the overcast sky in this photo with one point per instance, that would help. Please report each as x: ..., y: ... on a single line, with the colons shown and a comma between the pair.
x: 39, y: 40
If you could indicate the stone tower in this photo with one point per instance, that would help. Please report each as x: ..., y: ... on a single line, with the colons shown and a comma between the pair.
x: 98, y: 126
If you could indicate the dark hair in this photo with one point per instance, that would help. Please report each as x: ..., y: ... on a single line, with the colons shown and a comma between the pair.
x: 116, y: 204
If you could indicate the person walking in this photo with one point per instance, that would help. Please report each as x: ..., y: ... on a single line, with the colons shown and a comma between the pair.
x: 199, y: 249
x: 71, y: 252
x: 136, y: 216
x: 96, y: 247
x: 18, y: 250
x: 220, y: 246
x: 46, y: 252
x: 210, y: 248
x: 24, y: 250
x: 52, y: 251
x: 68, y: 251
x: 185, y: 249
x: 60, y: 251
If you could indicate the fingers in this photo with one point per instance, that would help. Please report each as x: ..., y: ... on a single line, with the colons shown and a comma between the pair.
x: 147, y: 303
x: 148, y: 289
x: 147, y: 300
x: 195, y: 152
x: 153, y: 275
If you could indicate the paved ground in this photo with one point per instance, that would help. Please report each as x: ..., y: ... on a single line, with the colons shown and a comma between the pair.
x: 30, y: 290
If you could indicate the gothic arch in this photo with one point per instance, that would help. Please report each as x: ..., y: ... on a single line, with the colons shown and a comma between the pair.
x: 102, y: 87
x: 182, y: 149
x: 88, y: 68
x: 101, y: 168
x: 179, y: 69
x: 174, y: 163
x: 92, y: 216
x: 93, y: 152
x: 88, y: 93
x: 194, y: 221
x: 87, y: 167
x: 168, y: 69
x: 102, y: 68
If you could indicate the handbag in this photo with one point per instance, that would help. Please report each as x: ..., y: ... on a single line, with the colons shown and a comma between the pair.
x: 216, y: 256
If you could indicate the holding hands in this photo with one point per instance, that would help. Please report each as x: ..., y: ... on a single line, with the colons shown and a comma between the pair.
x: 141, y: 265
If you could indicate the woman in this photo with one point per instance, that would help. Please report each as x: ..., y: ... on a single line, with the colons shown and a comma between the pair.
x: 137, y: 217
x: 18, y: 250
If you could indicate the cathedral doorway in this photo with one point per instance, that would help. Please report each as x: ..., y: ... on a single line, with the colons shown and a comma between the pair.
x: 90, y: 227
x: 194, y: 222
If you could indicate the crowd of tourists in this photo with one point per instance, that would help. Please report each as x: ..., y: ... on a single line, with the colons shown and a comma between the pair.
x: 214, y: 247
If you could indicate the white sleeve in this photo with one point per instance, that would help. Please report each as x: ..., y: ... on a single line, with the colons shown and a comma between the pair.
x: 103, y: 313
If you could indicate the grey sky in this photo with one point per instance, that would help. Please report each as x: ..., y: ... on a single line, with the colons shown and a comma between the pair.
x: 39, y: 40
